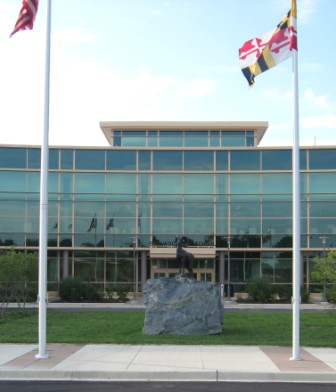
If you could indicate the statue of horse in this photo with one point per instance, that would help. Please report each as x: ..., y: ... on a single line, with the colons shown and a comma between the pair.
x: 184, y: 258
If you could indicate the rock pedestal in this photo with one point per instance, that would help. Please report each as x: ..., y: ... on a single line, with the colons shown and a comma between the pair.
x: 182, y: 306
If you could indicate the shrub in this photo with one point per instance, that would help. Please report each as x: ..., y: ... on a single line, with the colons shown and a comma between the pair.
x: 260, y: 290
x: 331, y: 294
x: 74, y: 290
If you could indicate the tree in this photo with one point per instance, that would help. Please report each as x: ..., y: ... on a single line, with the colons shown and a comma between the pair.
x: 324, y: 271
x: 18, y: 278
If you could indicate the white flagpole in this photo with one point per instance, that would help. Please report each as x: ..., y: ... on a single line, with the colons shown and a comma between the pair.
x: 43, y: 237
x: 296, y: 215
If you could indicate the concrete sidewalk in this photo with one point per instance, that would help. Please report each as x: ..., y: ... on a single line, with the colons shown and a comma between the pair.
x: 166, y: 363
x: 112, y: 362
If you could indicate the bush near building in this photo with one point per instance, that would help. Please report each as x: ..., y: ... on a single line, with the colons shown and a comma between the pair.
x: 324, y: 273
x: 75, y: 290
x: 18, y: 278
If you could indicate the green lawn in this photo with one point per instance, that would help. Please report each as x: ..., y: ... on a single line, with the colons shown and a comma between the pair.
x: 246, y: 328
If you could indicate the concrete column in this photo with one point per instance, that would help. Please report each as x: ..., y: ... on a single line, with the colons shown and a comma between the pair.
x: 221, y: 267
x: 143, y: 268
x: 65, y: 264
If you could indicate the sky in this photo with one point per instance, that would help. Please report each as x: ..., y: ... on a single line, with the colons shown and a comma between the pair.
x: 164, y: 60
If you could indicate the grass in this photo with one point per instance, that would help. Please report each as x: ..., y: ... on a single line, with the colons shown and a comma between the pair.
x: 245, y: 328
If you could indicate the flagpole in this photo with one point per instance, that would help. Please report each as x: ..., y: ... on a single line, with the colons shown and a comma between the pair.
x: 296, y: 215
x: 43, y: 236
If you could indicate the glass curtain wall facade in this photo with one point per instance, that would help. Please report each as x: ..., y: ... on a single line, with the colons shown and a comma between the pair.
x: 111, y: 208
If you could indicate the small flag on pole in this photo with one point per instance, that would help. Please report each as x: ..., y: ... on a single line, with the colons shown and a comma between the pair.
x: 26, y: 16
x: 261, y: 53
x: 93, y: 224
x: 110, y: 224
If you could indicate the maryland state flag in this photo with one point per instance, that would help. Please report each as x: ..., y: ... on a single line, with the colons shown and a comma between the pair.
x: 259, y: 54
x: 26, y: 16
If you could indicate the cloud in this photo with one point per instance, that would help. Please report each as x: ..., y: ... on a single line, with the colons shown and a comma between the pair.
x: 306, y: 9
x: 319, y: 101
x: 195, y: 88
x: 278, y: 95
x: 224, y: 69
x: 319, y: 122
x: 73, y: 36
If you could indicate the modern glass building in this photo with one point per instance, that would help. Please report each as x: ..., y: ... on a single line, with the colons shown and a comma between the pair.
x: 114, y: 212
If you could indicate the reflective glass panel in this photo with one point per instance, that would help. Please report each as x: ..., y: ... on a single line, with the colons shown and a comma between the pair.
x: 322, y: 159
x: 198, y: 210
x: 121, y: 160
x: 167, y: 160
x: 167, y: 184
x: 276, y: 209
x: 34, y: 158
x: 323, y: 209
x: 245, y: 160
x: 198, y: 184
x: 198, y: 160
x: 322, y: 182
x: 196, y: 139
x: 242, y: 210
x: 89, y: 183
x: 276, y: 160
x: 167, y: 210
x: 53, y: 158
x: 13, y: 158
x: 171, y: 139
x: 245, y: 183
x: 214, y: 138
x: 144, y: 183
x: 120, y: 183
x: 277, y: 183
x: 90, y: 159
x: 222, y: 160
x: 13, y: 181
x: 66, y: 159
x: 33, y: 181
x: 144, y: 160
x: 222, y: 184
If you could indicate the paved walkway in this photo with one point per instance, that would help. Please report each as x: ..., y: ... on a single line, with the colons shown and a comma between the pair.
x: 168, y: 362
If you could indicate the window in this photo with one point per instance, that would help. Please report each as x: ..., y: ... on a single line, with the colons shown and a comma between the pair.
x: 277, y: 160
x: 167, y: 160
x: 245, y: 160
x: 90, y: 160
x: 13, y: 158
x: 67, y: 159
x: 171, y: 139
x: 34, y: 158
x: 198, y: 160
x: 121, y: 160
x: 245, y: 183
x: 322, y: 159
x: 196, y: 139
x: 277, y: 183
x: 221, y: 160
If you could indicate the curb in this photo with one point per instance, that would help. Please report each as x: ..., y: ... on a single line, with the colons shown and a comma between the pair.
x: 187, y: 376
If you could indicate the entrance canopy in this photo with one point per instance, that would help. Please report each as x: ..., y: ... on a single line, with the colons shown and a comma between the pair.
x: 170, y: 253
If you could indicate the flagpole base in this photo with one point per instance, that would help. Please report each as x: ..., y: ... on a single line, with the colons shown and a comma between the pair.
x: 42, y: 356
x: 295, y: 359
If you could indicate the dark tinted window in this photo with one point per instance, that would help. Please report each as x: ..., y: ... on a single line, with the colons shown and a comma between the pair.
x: 245, y: 160
x: 13, y: 158
x: 121, y: 160
x: 90, y: 160
x: 322, y: 159
x: 277, y: 160
x: 198, y: 160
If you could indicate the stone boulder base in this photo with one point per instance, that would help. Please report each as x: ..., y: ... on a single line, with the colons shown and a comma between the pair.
x: 182, y: 306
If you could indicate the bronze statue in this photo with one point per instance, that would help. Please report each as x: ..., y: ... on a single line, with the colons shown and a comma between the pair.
x: 184, y: 258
